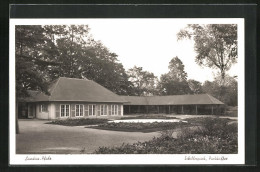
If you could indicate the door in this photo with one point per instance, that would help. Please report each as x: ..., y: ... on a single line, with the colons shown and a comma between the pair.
x: 31, y: 110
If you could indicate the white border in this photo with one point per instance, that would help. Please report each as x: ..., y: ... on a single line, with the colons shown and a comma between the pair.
x: 19, y: 159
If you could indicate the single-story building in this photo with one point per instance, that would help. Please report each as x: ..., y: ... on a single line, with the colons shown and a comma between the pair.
x: 76, y: 98
x: 173, y: 104
x: 71, y: 97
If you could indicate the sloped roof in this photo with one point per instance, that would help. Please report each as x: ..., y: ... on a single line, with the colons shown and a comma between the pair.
x: 199, y: 99
x: 72, y: 89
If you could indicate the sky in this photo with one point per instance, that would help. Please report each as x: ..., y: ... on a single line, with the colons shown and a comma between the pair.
x: 151, y: 44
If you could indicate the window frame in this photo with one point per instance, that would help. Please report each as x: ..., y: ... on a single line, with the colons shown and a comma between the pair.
x: 114, y: 110
x: 105, y: 109
x: 65, y: 111
x: 79, y: 110
x: 92, y: 110
x: 41, y: 107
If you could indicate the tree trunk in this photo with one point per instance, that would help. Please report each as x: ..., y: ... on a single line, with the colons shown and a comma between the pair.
x: 16, y: 119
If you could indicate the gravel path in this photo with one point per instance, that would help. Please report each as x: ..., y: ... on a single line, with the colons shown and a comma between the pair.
x: 37, y: 137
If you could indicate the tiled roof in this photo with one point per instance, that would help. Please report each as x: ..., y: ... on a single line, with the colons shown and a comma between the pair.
x: 199, y: 99
x: 72, y: 89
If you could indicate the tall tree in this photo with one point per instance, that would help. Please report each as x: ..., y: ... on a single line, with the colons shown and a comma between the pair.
x: 80, y: 56
x: 31, y: 47
x: 176, y: 69
x: 215, y: 45
x: 30, y: 52
x: 144, y: 82
x: 175, y: 81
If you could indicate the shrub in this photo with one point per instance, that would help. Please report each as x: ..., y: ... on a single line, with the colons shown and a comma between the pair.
x: 217, y: 137
x: 155, y: 126
x: 151, y: 116
x: 79, y: 121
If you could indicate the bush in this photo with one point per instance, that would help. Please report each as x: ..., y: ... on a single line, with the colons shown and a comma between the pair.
x: 155, y: 126
x: 217, y: 137
x: 79, y: 121
x: 151, y: 116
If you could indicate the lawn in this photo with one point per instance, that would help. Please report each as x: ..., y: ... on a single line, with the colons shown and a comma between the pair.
x: 213, y: 136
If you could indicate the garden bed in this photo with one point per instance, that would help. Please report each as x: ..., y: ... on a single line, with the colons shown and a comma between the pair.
x: 150, y: 116
x: 215, y: 136
x: 79, y: 121
x: 140, y: 127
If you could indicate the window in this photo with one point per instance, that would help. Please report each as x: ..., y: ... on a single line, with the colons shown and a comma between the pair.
x: 43, y: 108
x: 79, y: 110
x: 91, y: 111
x: 114, y: 109
x: 103, y: 109
x: 64, y: 110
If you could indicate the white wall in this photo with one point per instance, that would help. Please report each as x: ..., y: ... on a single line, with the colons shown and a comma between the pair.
x: 42, y: 115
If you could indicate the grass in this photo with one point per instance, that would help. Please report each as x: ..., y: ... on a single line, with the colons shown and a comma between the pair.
x: 140, y: 127
x: 79, y: 121
x: 214, y: 136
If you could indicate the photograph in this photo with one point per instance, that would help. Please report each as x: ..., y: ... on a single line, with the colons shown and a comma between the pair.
x: 130, y: 88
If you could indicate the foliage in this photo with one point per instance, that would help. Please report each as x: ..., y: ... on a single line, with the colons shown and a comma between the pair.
x: 44, y: 53
x: 227, y: 92
x: 195, y: 86
x: 79, y: 121
x: 220, y: 138
x: 150, y: 116
x: 144, y: 82
x: 155, y: 126
x: 31, y: 51
x: 215, y: 44
x: 175, y: 81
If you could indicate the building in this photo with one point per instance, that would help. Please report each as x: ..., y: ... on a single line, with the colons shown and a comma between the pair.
x: 76, y: 98
x: 174, y: 104
x: 69, y: 98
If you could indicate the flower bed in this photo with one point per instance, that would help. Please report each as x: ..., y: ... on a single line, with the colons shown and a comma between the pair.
x: 79, y: 121
x: 140, y: 127
x: 220, y: 138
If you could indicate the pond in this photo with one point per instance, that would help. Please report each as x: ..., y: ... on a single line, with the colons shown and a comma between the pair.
x: 147, y: 120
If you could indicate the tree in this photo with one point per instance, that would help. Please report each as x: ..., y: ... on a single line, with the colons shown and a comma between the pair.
x: 80, y: 56
x: 30, y: 50
x: 177, y: 71
x: 170, y: 86
x: 224, y: 91
x: 175, y: 81
x: 144, y: 82
x: 215, y: 45
x: 195, y: 86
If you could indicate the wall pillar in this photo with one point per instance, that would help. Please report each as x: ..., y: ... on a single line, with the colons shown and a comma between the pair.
x: 196, y: 110
x: 122, y: 110
x: 169, y: 109
x: 182, y: 109
x: 158, y: 110
x: 129, y: 109
x: 212, y: 110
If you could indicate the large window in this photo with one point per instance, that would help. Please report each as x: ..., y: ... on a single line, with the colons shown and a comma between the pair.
x: 43, y: 108
x: 64, y: 110
x: 103, y: 110
x: 114, y: 109
x: 91, y: 109
x: 79, y: 110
